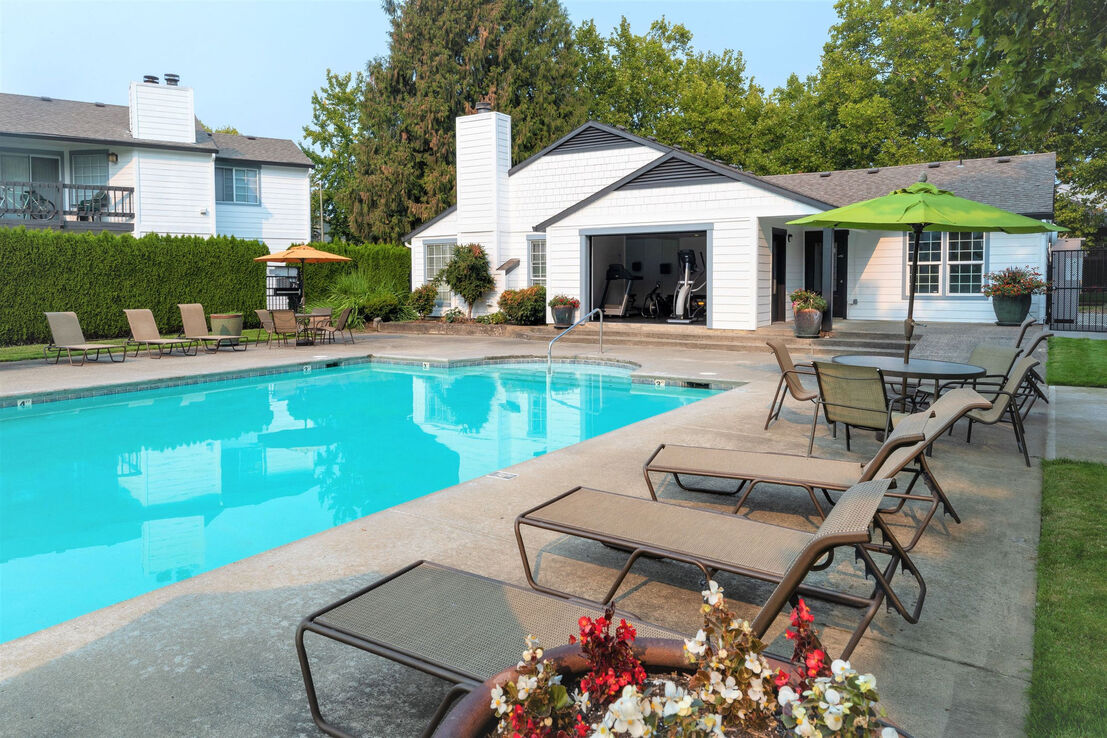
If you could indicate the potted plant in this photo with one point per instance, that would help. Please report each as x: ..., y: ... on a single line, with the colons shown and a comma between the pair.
x: 807, y: 312
x: 1010, y: 290
x: 563, y: 308
x: 718, y: 683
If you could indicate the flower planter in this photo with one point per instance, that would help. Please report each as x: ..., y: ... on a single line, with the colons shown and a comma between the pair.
x: 1010, y: 310
x: 471, y: 717
x: 563, y: 316
x: 807, y: 323
x: 227, y: 324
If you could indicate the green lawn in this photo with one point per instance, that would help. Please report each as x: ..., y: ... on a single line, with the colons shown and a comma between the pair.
x: 1070, y: 672
x: 34, y: 350
x: 1077, y: 362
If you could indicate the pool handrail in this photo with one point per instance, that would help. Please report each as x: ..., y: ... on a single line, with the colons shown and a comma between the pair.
x: 585, y: 319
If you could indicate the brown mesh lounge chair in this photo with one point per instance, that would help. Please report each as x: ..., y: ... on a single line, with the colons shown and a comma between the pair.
x: 285, y: 326
x: 266, y: 320
x: 854, y: 396
x: 66, y: 335
x: 789, y: 383
x: 144, y: 332
x: 1005, y: 405
x: 1034, y: 380
x: 720, y: 541
x: 1023, y: 328
x: 340, y: 327
x: 454, y: 625
x: 196, y: 328
x: 903, y: 452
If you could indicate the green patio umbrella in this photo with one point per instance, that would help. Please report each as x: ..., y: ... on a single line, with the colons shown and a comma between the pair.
x: 923, y: 207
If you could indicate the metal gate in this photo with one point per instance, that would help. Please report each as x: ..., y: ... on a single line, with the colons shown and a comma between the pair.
x: 282, y: 290
x: 1078, y: 290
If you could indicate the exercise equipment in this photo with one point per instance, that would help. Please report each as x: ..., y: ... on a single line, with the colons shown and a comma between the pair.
x: 687, y: 306
x: 615, y: 273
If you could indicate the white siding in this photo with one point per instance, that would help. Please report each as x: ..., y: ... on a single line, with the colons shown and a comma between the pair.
x: 281, y: 218
x: 175, y: 193
x: 877, y: 278
x: 162, y: 113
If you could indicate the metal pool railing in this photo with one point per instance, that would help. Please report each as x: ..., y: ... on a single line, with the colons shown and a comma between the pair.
x: 585, y: 319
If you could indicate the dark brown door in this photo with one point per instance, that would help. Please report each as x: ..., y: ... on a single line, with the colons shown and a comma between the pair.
x: 779, y: 296
x: 841, y: 272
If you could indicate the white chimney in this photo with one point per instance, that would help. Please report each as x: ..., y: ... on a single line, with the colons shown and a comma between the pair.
x: 483, y: 158
x: 162, y: 112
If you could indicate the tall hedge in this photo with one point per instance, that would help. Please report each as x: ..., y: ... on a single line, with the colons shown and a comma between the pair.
x: 98, y: 275
x: 386, y: 265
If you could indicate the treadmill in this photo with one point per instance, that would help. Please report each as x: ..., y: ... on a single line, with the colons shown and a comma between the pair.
x: 615, y: 273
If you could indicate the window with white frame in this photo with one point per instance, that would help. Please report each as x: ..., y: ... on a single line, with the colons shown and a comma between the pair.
x: 237, y: 185
x: 949, y: 263
x: 437, y: 255
x: 537, y: 257
x: 90, y: 169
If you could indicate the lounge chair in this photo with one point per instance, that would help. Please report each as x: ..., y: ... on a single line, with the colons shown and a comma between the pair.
x: 340, y: 327
x: 66, y: 335
x: 1005, y: 405
x: 721, y: 541
x: 144, y: 332
x: 903, y: 451
x: 285, y: 326
x: 454, y: 625
x: 789, y: 383
x: 266, y: 319
x: 855, y: 396
x: 1035, y: 381
x: 196, y: 328
x: 1023, y: 328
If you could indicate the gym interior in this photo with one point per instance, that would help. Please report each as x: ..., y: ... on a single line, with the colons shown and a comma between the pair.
x: 657, y: 277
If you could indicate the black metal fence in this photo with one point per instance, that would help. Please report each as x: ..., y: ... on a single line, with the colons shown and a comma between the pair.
x: 1078, y: 292
x: 283, y: 291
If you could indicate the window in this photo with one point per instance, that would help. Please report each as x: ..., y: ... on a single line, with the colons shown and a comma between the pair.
x: 537, y: 258
x: 238, y: 185
x: 949, y: 263
x: 90, y: 169
x: 437, y: 255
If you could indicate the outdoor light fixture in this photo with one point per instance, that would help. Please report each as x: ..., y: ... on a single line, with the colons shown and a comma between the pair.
x: 113, y: 157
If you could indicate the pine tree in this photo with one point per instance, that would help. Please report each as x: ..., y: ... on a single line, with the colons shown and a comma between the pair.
x: 444, y: 56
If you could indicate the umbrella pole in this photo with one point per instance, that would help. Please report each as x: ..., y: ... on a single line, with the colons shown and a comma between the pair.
x: 909, y: 324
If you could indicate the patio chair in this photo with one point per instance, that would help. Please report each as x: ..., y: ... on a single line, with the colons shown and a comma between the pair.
x: 319, y: 317
x: 340, y: 327
x: 855, y: 396
x: 144, y: 332
x: 789, y: 383
x: 266, y: 320
x: 1023, y: 328
x: 1005, y: 405
x: 449, y: 623
x: 721, y: 541
x: 903, y: 452
x: 1035, y: 381
x: 66, y: 335
x: 195, y: 327
x: 285, y: 326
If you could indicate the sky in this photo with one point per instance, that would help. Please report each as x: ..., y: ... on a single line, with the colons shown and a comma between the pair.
x: 254, y: 65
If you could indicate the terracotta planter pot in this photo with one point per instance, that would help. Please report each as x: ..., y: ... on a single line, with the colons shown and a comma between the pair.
x: 808, y: 323
x: 563, y: 316
x: 1010, y: 310
x: 471, y: 717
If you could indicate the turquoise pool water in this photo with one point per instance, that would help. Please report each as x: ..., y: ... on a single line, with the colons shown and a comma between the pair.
x: 106, y: 498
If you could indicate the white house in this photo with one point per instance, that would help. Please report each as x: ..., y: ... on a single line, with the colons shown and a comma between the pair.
x: 147, y: 167
x: 602, y: 196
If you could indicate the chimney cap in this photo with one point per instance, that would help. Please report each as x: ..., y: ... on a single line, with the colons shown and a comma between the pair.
x: 483, y: 106
x: 172, y: 79
x: 150, y: 79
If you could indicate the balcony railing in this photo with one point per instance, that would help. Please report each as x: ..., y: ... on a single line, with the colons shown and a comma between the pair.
x: 57, y: 204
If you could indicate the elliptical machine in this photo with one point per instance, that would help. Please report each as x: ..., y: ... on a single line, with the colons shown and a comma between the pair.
x: 688, y: 307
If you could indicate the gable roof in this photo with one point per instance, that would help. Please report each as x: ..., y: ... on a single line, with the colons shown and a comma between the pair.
x: 1022, y: 184
x: 680, y: 167
x: 591, y: 136
x: 84, y: 122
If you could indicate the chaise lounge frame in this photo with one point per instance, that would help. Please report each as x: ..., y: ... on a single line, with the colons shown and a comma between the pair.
x: 144, y: 332
x: 66, y: 335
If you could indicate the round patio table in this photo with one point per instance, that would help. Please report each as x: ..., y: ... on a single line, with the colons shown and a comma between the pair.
x: 921, y: 369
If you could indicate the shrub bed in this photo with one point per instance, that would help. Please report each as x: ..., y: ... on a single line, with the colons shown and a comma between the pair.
x: 98, y: 275
x: 524, y: 307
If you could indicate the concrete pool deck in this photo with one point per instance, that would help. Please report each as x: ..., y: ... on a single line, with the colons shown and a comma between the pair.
x: 213, y: 655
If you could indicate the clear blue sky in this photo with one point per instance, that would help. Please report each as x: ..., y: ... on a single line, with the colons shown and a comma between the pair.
x: 254, y: 65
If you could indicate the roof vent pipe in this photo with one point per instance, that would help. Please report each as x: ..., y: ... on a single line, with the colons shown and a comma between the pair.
x: 483, y: 106
x: 150, y: 79
x: 172, y: 79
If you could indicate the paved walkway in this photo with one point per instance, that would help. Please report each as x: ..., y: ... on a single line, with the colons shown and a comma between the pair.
x: 1076, y: 424
x: 213, y: 655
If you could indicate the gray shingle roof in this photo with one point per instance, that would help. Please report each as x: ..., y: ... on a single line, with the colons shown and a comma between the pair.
x: 1021, y: 184
x: 27, y: 115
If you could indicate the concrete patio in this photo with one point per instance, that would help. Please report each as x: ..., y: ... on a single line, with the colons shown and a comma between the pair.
x: 213, y: 655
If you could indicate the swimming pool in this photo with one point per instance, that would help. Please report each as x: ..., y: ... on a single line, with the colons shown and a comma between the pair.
x: 102, y: 499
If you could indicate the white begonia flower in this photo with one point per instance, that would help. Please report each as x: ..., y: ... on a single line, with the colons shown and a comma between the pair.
x: 889, y: 733
x: 625, y: 714
x: 865, y: 682
x: 756, y: 691
x: 832, y: 696
x: 601, y: 731
x: 713, y: 595
x: 730, y: 690
x: 753, y: 663
x: 840, y: 669
x: 805, y: 729
x: 786, y: 696
x: 525, y: 685
x: 833, y: 719
x: 499, y: 704
x: 698, y: 645
x: 582, y: 700
x: 712, y: 723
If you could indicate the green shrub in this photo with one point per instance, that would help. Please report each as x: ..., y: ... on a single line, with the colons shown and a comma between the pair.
x: 386, y: 266
x: 423, y: 298
x: 98, y: 275
x: 350, y: 290
x: 469, y: 274
x: 454, y: 315
x: 497, y: 318
x: 383, y: 305
x: 524, y: 307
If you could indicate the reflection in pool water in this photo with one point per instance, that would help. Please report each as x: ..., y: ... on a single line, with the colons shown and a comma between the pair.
x: 106, y: 498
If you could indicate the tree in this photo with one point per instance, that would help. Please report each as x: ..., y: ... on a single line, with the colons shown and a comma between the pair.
x: 444, y: 56
x: 222, y: 129
x: 469, y: 274
x: 331, y: 143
